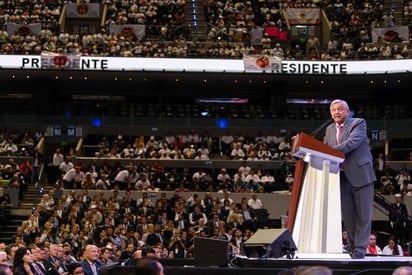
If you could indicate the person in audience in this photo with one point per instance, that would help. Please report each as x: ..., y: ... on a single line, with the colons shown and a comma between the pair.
x: 254, y: 202
x: 398, y: 217
x: 392, y: 248
x: 403, y: 270
x: 75, y: 269
x: 91, y: 263
x: 148, y: 266
x: 5, y: 270
x: 373, y: 248
x: 4, y: 265
x: 11, y: 251
x: 156, y: 236
x: 313, y: 270
x: 22, y: 261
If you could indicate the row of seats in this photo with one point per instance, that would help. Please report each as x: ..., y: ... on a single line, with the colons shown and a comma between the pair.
x: 233, y: 111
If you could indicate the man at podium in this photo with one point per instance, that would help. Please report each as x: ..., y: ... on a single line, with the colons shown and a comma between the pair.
x: 357, y: 177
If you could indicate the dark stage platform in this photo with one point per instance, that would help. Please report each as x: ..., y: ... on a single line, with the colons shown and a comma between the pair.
x: 340, y: 264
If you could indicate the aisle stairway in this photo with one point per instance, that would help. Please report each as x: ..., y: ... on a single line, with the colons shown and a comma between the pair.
x: 15, y: 216
x: 195, y: 17
x: 396, y: 8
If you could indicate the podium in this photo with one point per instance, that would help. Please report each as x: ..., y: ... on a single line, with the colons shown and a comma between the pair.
x: 314, y: 216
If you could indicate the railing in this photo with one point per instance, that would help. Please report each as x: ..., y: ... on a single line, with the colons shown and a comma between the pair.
x: 40, y: 184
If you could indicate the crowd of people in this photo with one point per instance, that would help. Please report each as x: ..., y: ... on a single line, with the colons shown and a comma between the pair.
x: 249, y: 176
x: 70, y: 171
x: 74, y: 227
x: 127, y: 223
x: 229, y: 31
x: 120, y: 228
x: 197, y: 146
x: 83, y: 220
x: 54, y: 260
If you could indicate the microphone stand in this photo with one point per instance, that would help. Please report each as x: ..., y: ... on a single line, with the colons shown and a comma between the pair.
x: 323, y: 125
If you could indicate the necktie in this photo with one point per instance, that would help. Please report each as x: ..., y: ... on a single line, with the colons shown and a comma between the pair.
x: 94, y: 270
x: 338, y: 133
x: 37, y: 268
x: 160, y: 237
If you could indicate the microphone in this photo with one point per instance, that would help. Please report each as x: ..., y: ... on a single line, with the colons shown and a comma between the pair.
x: 323, y: 125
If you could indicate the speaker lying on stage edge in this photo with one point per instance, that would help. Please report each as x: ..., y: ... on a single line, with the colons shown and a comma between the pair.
x: 273, y: 242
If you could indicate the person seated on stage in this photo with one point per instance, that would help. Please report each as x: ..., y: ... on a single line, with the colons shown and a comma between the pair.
x: 393, y: 248
x: 373, y: 249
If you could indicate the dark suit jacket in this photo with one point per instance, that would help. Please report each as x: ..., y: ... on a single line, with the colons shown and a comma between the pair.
x: 211, y: 226
x: 61, y: 264
x: 140, y: 211
x: 88, y: 269
x: 87, y: 202
x: 125, y: 255
x: 398, y: 213
x: 133, y: 203
x: 49, y: 268
x: 153, y: 239
x: 358, y: 163
x: 19, y: 270
x: 33, y: 269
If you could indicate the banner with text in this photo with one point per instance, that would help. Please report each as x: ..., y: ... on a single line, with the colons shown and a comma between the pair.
x: 53, y: 60
x: 303, y: 16
x: 88, y: 10
x: 257, y: 62
x: 262, y: 63
x: 390, y: 34
x: 128, y: 30
x: 23, y: 29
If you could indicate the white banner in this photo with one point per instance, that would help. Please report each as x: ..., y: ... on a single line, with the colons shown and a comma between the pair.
x: 90, y: 10
x: 303, y: 16
x: 50, y: 60
x: 390, y: 34
x: 99, y: 63
x: 23, y: 29
x: 128, y: 30
x: 262, y: 63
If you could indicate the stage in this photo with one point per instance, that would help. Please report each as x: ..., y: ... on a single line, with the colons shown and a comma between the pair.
x: 339, y: 263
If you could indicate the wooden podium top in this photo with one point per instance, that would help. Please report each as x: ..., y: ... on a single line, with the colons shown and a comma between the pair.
x: 304, y: 144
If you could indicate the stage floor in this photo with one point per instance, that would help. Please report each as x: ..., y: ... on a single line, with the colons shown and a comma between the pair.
x: 339, y: 263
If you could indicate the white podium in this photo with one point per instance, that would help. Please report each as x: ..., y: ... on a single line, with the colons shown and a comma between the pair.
x: 314, y: 216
